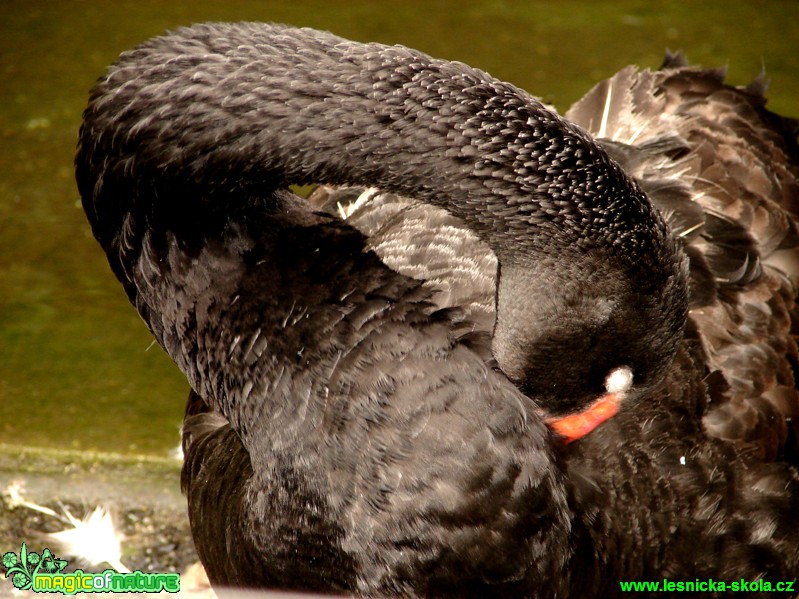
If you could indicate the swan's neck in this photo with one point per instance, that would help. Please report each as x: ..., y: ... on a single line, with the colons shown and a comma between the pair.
x: 221, y: 111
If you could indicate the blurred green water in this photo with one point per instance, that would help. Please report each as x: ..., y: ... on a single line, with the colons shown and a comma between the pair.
x: 77, y: 369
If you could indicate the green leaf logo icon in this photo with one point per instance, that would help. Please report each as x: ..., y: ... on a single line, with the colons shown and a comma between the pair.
x: 22, y: 569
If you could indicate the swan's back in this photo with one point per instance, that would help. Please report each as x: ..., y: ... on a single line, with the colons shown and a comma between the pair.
x: 738, y: 163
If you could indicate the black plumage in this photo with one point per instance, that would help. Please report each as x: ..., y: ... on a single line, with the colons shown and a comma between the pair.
x: 368, y: 421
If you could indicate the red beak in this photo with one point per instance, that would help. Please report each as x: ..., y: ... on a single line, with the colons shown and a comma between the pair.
x: 575, y: 426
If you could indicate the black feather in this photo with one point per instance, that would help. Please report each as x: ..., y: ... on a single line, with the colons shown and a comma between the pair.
x: 372, y: 396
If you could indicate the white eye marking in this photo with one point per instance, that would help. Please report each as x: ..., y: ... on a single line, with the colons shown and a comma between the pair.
x: 620, y: 380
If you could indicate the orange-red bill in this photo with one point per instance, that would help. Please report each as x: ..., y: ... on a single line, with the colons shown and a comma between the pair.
x: 577, y: 426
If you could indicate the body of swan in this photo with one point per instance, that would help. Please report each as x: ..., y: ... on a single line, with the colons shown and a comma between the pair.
x: 349, y: 429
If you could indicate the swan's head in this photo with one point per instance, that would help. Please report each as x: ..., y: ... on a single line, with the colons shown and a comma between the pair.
x: 575, y: 332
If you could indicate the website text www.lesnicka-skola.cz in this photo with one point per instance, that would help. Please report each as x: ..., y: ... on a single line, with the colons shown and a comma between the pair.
x: 708, y: 586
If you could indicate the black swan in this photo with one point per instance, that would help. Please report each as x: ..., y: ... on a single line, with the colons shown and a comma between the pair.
x: 518, y: 368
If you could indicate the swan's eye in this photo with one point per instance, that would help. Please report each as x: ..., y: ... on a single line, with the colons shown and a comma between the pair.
x: 619, y: 380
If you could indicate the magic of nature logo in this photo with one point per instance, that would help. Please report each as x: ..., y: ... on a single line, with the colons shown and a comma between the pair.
x: 44, y: 573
